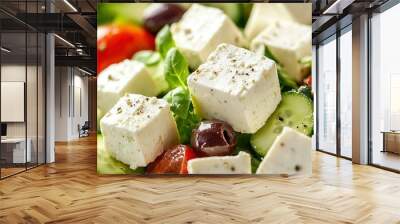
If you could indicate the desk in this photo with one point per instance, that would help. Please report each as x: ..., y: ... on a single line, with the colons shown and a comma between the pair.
x: 13, y: 150
x: 391, y: 141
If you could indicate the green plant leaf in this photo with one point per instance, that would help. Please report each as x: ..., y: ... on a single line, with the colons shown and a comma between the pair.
x: 182, y: 109
x: 176, y: 69
x: 149, y: 58
x: 164, y: 41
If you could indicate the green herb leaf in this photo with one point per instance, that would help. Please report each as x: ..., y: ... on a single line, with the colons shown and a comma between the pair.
x: 176, y: 69
x: 179, y: 100
x: 182, y: 109
x: 164, y: 41
x: 149, y: 58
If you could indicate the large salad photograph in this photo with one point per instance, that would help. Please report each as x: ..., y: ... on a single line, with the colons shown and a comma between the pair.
x: 210, y: 88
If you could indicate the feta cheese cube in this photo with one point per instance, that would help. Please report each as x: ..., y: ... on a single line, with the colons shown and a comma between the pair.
x: 201, y: 30
x: 289, y: 43
x: 264, y: 14
x: 239, y: 164
x: 290, y: 153
x: 138, y: 129
x: 119, y: 79
x: 236, y: 86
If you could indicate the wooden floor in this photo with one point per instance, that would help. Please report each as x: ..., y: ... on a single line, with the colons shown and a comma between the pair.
x: 70, y: 191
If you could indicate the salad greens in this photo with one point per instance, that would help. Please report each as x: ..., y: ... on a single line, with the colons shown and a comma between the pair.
x: 176, y: 69
x: 181, y: 106
x: 147, y: 57
x: 164, y: 41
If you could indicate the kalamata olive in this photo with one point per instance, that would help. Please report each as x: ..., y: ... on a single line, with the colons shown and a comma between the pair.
x: 213, y: 138
x: 160, y: 14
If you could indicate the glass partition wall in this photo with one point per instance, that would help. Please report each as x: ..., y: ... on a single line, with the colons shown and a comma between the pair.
x: 334, y: 84
x: 22, y: 77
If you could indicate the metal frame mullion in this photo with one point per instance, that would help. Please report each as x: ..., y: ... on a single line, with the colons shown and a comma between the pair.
x: 26, y: 88
x: 316, y: 120
x: 338, y: 76
x: 369, y: 78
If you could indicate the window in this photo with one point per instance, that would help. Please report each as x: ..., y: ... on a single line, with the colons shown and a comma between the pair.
x: 346, y: 92
x: 327, y: 95
x: 385, y: 89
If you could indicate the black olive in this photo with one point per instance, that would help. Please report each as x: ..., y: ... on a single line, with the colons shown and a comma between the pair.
x: 161, y: 14
x: 213, y: 138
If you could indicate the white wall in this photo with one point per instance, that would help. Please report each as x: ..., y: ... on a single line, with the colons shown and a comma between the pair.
x: 71, y: 94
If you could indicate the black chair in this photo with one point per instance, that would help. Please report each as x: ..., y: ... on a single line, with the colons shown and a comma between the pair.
x: 84, y: 130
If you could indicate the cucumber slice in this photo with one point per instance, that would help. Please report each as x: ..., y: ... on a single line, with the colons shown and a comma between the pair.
x: 295, y: 110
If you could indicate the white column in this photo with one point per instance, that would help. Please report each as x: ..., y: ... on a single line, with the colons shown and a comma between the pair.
x: 360, y: 90
x: 50, y: 93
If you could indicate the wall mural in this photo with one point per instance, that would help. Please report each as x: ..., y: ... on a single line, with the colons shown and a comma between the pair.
x: 213, y: 88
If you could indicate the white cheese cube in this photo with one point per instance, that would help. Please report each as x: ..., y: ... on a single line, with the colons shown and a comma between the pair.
x: 264, y: 14
x: 201, y: 30
x: 236, y: 86
x: 138, y: 129
x: 239, y: 164
x: 119, y: 79
x: 289, y: 43
x: 290, y: 153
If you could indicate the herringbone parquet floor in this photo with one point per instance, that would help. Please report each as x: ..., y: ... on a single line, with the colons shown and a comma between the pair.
x: 70, y: 191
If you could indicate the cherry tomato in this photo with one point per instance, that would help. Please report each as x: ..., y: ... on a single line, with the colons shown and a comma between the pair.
x: 116, y: 42
x: 172, y: 161
x: 308, y: 81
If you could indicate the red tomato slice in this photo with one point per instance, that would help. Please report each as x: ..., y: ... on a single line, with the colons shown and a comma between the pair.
x: 172, y: 161
x: 117, y: 42
x: 308, y: 81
